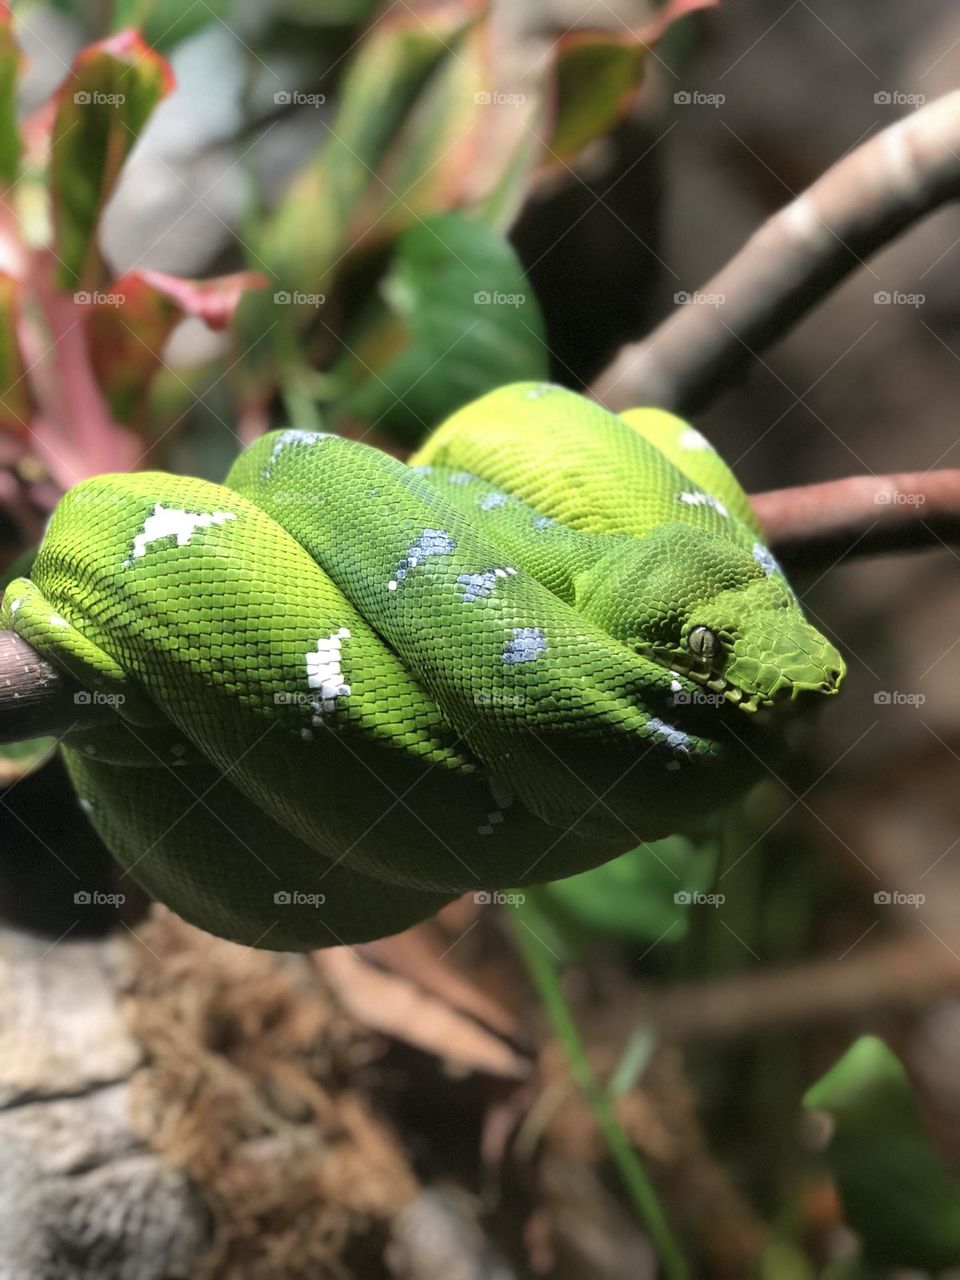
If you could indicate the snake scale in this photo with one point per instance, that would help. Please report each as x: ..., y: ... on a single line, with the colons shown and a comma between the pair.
x: 352, y: 688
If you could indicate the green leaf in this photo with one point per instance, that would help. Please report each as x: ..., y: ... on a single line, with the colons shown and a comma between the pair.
x: 896, y: 1192
x: 641, y: 897
x: 167, y: 22
x: 330, y: 13
x: 20, y: 758
x: 102, y: 108
x: 389, y: 70
x: 337, y: 208
x: 597, y: 74
x: 459, y: 319
x: 10, y: 63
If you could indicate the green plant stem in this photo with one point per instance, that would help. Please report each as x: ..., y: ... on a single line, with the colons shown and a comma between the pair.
x: 544, y: 975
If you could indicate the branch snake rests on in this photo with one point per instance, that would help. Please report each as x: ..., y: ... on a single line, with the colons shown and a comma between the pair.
x: 351, y: 689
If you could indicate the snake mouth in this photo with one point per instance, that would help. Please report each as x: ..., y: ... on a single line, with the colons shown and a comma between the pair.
x: 681, y: 663
x: 753, y: 701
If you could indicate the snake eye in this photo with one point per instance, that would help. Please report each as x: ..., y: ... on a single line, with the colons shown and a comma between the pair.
x: 702, y: 642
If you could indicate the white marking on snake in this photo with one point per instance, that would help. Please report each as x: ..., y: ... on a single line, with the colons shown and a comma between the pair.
x: 478, y: 586
x: 432, y: 542
x: 57, y: 621
x: 525, y: 645
x: 296, y: 438
x: 692, y: 439
x: 172, y: 522
x: 460, y: 477
x: 702, y: 500
x: 325, y: 674
x: 536, y: 392
x: 766, y: 559
x: 543, y: 522
x: 15, y: 605
x: 676, y: 739
x: 493, y: 500
x: 423, y: 470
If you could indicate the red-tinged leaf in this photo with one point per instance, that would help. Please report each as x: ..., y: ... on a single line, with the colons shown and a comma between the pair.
x: 598, y: 73
x: 429, y: 165
x: 11, y: 61
x: 73, y: 432
x: 128, y: 326
x: 102, y: 108
x: 389, y: 72
x: 212, y: 301
x: 15, y: 400
x: 127, y: 329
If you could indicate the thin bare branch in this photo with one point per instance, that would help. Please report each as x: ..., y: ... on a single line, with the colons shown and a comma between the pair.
x: 862, y: 203
x: 814, y: 525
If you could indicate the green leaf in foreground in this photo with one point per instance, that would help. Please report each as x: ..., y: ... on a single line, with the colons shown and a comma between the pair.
x: 643, y: 897
x: 896, y: 1192
x: 460, y: 319
x: 20, y: 758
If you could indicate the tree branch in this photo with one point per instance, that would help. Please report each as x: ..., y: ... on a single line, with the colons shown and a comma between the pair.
x: 899, y: 975
x: 35, y: 699
x: 813, y: 526
x: 864, y: 201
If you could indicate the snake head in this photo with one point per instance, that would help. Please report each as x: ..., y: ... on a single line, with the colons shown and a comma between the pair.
x: 714, y: 610
x: 755, y: 647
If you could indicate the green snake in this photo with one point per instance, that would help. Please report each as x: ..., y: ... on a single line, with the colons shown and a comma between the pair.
x: 351, y: 689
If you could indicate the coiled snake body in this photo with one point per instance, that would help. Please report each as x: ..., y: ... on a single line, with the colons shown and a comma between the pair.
x: 351, y: 689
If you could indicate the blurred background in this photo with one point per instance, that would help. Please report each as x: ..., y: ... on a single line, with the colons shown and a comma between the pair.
x: 400, y: 206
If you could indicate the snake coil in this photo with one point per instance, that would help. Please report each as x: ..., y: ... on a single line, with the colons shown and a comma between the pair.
x: 351, y: 689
